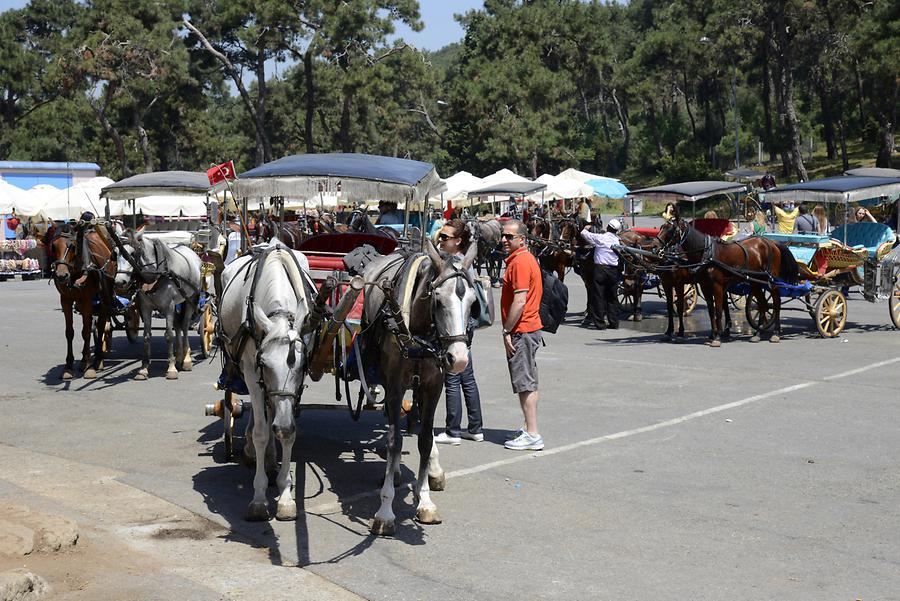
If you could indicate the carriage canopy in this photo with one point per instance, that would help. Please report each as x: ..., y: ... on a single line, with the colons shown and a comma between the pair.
x: 841, y: 189
x: 165, y: 183
x: 689, y: 191
x: 355, y: 176
x: 873, y: 172
x: 509, y: 189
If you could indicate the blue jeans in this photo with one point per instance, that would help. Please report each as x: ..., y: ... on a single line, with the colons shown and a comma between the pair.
x: 452, y: 385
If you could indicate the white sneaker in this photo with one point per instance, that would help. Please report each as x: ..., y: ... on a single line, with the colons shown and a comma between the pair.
x: 525, y: 442
x: 444, y: 438
x: 479, y: 437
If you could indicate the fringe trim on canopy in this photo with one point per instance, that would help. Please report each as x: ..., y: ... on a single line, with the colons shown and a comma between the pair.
x: 825, y: 196
x: 350, y: 188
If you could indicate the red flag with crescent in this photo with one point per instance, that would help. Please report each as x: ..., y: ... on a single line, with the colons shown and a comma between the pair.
x: 220, y: 173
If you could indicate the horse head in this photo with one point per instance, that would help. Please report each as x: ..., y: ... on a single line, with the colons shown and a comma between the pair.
x: 64, y: 247
x: 452, y: 292
x: 672, y: 234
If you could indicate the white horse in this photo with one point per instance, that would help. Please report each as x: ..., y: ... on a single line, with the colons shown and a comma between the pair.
x: 169, y: 282
x: 265, y: 300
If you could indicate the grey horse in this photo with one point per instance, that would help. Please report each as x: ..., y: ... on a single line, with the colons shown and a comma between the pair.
x: 441, y: 293
x: 263, y: 307
x: 487, y: 236
x: 169, y: 283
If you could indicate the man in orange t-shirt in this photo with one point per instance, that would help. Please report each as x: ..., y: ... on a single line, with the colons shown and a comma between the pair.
x: 520, y: 303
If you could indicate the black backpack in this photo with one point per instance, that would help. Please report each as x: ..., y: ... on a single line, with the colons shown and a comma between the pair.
x: 554, y: 302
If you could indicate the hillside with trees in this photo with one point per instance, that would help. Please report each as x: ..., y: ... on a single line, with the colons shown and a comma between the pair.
x: 651, y: 89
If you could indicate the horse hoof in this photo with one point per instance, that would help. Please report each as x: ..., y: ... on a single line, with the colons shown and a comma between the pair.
x: 428, y: 515
x: 775, y: 338
x: 172, y: 374
x: 187, y: 366
x: 90, y: 374
x: 258, y: 512
x: 754, y: 338
x: 141, y: 374
x: 286, y: 512
x: 382, y: 527
x: 437, y: 482
x: 639, y: 317
x: 715, y: 343
x: 67, y: 375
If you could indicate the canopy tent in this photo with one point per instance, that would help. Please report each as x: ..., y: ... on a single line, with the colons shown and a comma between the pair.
x: 10, y: 196
x: 71, y: 202
x: 168, y: 183
x: 504, y: 176
x: 512, y: 188
x: 558, y: 188
x: 688, y: 191
x: 167, y: 206
x: 458, y: 187
x: 356, y: 176
x: 742, y: 173
x: 578, y: 176
x: 873, y: 172
x: 841, y: 189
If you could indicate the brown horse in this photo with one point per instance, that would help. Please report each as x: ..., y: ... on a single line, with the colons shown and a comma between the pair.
x: 84, y: 273
x: 553, y: 253
x: 757, y: 261
x: 672, y: 278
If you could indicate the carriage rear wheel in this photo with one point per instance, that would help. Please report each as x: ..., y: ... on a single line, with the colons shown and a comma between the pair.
x: 761, y: 319
x: 228, y: 419
x: 493, y: 269
x: 691, y: 297
x: 831, y: 313
x: 207, y: 329
x: 894, y: 304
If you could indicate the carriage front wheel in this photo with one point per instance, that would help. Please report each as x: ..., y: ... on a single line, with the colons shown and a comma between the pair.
x: 691, y: 296
x: 894, y: 304
x: 831, y: 313
x: 625, y: 297
x: 760, y: 318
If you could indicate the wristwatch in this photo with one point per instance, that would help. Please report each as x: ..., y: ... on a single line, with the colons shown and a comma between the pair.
x: 505, y: 332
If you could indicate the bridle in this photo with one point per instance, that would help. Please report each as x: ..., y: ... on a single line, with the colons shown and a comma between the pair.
x: 447, y: 339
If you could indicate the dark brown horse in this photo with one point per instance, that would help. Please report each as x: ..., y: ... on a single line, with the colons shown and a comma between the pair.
x: 756, y: 261
x: 84, y: 273
x: 553, y: 253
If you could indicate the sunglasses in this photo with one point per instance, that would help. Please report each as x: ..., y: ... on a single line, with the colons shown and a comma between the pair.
x: 444, y: 237
x: 511, y: 236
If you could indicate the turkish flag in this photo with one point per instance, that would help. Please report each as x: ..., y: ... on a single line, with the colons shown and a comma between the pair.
x: 221, y: 172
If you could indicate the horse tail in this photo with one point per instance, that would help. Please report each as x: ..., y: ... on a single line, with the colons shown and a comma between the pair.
x: 788, y: 271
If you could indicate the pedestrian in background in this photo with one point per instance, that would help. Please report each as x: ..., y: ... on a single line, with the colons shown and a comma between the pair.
x: 604, y: 306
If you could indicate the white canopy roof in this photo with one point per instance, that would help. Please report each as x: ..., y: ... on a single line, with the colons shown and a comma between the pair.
x: 10, y: 196
x: 458, y: 187
x: 504, y: 176
x: 165, y: 206
x: 561, y: 188
x: 581, y: 176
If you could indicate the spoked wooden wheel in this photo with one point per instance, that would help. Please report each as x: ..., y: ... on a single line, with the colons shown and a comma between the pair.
x: 831, y: 313
x: 691, y: 296
x: 894, y: 304
x: 760, y: 318
x: 738, y: 301
x: 207, y: 329
x: 228, y: 419
x: 626, y: 300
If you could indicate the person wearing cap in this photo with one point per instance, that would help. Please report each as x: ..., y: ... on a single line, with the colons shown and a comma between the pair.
x: 604, y: 306
x: 388, y: 214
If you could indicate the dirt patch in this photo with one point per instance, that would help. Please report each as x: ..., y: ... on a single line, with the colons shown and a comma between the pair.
x: 170, y: 533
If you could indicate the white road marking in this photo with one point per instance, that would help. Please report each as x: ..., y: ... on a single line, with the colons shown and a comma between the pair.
x: 336, y: 506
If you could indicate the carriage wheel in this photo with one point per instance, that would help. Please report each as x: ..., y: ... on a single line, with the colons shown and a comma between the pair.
x: 107, y: 337
x: 207, y: 329
x: 831, y: 313
x: 626, y: 301
x: 691, y: 296
x: 228, y: 424
x: 760, y: 319
x: 738, y: 301
x: 132, y: 323
x: 894, y: 304
x: 810, y: 306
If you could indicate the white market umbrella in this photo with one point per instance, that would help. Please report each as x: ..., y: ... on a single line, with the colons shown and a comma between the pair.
x: 458, y: 187
x: 10, y: 196
x: 71, y: 202
x: 561, y: 188
x: 504, y: 176
x: 581, y: 176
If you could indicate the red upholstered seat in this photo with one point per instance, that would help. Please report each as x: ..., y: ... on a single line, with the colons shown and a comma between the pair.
x: 651, y: 232
x: 344, y: 243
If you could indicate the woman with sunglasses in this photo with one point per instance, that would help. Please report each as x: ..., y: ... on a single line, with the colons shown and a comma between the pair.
x: 454, y: 239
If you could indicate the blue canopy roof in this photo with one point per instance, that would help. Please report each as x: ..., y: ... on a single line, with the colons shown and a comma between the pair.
x: 608, y: 187
x: 841, y: 189
x: 358, y: 176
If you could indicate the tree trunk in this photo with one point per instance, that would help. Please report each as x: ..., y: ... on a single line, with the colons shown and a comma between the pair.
x: 787, y: 113
x: 344, y: 135
x: 687, y: 106
x: 111, y: 131
x: 261, y: 94
x: 827, y: 120
x: 859, y: 101
x: 143, y: 141
x: 310, y: 99
x: 769, y: 140
x: 845, y: 163
x: 622, y: 115
x: 534, y: 164
x: 885, y: 141
x: 650, y: 109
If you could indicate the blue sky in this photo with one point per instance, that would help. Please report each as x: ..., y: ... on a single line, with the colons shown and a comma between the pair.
x: 440, y: 28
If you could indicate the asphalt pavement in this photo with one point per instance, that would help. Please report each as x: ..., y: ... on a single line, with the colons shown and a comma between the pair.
x: 672, y: 471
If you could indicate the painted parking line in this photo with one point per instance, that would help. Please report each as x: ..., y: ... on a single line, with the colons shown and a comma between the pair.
x: 519, y: 458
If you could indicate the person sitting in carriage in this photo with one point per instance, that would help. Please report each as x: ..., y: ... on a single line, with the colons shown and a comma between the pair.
x: 388, y: 214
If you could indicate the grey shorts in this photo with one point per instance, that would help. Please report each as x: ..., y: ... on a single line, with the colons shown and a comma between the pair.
x: 523, y: 371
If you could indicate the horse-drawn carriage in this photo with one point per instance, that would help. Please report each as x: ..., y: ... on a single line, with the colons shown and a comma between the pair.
x: 854, y: 254
x: 283, y: 315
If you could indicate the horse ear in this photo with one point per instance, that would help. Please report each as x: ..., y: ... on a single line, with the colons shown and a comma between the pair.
x: 470, y: 256
x: 436, y: 261
x: 261, y: 319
